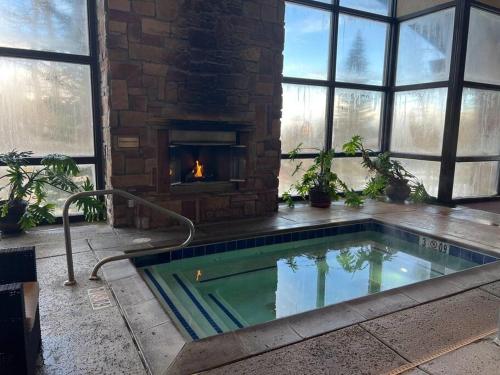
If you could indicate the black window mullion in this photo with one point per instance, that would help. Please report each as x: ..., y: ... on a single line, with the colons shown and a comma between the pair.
x: 95, y: 92
x: 454, y: 101
x: 44, y: 55
x: 390, y: 79
x: 332, y: 74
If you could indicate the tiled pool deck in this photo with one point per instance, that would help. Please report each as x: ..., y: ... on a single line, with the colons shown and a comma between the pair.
x: 370, y: 335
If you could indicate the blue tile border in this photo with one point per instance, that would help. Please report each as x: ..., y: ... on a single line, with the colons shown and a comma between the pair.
x: 198, y: 305
x: 225, y: 311
x: 280, y: 238
x: 172, y: 306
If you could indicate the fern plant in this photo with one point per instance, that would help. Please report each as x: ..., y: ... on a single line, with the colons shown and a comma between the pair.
x: 319, y: 176
x: 29, y: 185
x: 387, y: 172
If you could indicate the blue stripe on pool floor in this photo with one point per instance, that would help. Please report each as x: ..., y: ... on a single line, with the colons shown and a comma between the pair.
x: 237, y: 274
x: 226, y: 311
x: 172, y: 307
x: 204, y: 312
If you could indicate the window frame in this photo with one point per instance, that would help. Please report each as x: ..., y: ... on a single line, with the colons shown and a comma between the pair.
x: 331, y: 84
x: 455, y: 85
x: 92, y: 61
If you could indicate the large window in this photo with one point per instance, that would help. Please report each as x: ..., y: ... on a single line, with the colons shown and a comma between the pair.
x: 420, y: 79
x: 477, y: 171
x: 48, y: 69
x: 335, y: 80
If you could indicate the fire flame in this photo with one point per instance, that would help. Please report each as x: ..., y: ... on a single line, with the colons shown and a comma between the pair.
x: 198, y: 169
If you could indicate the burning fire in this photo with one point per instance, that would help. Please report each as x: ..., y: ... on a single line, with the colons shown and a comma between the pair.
x: 198, y: 170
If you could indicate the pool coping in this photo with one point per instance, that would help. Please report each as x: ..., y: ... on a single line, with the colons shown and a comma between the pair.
x: 218, y: 350
x: 221, y: 349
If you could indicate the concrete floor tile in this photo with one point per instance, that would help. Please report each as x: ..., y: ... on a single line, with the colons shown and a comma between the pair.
x: 381, y: 303
x: 347, y: 351
x: 53, y: 249
x: 430, y: 290
x: 324, y: 320
x: 481, y: 357
x: 476, y: 276
x: 52, y: 272
x: 119, y: 269
x: 78, y: 340
x: 160, y: 345
x: 145, y: 315
x: 425, y: 329
x: 267, y: 336
x: 493, y: 288
x: 131, y: 291
x: 207, y: 353
x: 415, y: 371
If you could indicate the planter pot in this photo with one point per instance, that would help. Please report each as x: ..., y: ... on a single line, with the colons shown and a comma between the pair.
x: 318, y: 198
x: 398, y: 192
x: 10, y: 223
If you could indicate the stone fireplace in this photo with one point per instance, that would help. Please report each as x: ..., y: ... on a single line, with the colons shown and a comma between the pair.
x: 191, y: 106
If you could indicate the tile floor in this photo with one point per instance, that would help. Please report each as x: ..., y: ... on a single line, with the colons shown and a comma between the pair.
x: 134, y: 336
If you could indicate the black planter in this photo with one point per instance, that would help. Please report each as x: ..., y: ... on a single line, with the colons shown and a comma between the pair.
x: 319, y: 198
x: 10, y: 223
x: 398, y: 192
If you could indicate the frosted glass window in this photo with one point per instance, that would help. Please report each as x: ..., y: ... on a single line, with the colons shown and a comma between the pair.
x: 54, y: 195
x: 285, y: 177
x: 46, y: 107
x: 483, y: 48
x: 356, y: 112
x: 361, y: 50
x: 479, y: 123
x: 307, y: 42
x: 351, y: 172
x: 372, y: 6
x: 476, y: 179
x: 418, y: 121
x: 303, y: 118
x: 424, y: 51
x: 55, y: 25
x: 426, y: 172
x: 405, y: 7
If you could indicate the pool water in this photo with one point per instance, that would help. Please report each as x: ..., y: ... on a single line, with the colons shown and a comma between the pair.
x: 221, y: 292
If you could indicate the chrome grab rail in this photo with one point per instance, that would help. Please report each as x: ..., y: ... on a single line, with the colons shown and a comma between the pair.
x: 130, y: 253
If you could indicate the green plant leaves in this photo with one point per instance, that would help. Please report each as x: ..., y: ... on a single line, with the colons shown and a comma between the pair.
x: 30, y: 184
x: 36, y: 213
x: 93, y: 209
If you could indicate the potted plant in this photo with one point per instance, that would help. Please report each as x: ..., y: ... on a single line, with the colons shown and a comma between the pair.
x: 391, y: 178
x: 25, y: 204
x: 319, y: 182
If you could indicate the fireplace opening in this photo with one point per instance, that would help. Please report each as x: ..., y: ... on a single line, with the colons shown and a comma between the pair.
x: 202, y: 156
x: 206, y: 157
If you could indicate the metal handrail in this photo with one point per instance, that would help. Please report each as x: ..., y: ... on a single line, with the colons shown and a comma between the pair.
x: 130, y: 253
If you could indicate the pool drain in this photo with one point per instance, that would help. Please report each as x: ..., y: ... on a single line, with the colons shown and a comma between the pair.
x: 440, y: 353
